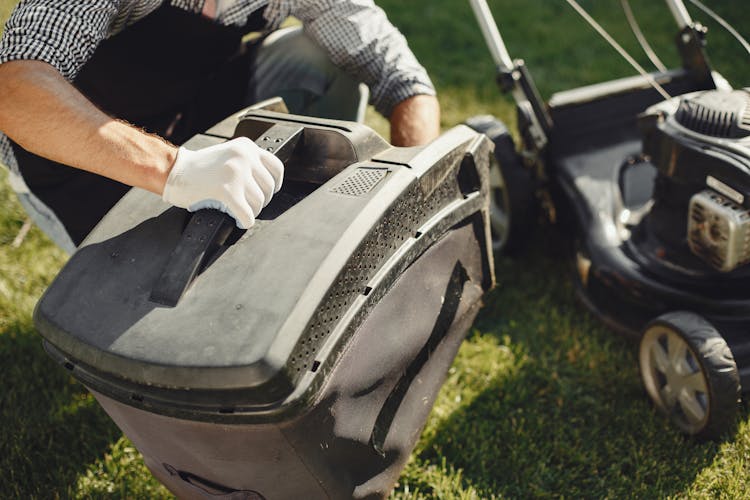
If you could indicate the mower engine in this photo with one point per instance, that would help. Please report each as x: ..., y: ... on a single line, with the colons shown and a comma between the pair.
x: 699, y: 143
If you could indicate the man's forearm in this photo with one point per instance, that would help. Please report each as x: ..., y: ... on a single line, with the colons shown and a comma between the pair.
x: 415, y: 121
x: 46, y: 115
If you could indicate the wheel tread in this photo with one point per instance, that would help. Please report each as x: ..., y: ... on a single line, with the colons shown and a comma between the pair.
x: 718, y: 365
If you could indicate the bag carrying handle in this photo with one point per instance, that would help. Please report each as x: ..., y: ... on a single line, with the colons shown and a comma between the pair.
x: 209, y: 228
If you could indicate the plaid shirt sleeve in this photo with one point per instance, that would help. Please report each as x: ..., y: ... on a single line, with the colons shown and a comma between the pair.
x: 63, y: 33
x: 355, y: 33
x: 359, y: 38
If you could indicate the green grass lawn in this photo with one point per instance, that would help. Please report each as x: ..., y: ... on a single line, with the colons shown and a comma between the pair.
x: 542, y: 400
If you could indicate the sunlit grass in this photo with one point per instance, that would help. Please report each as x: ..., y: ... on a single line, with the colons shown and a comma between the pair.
x: 542, y: 400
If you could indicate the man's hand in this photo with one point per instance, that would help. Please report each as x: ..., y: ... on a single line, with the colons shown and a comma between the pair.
x: 46, y: 115
x: 236, y: 177
x: 415, y: 121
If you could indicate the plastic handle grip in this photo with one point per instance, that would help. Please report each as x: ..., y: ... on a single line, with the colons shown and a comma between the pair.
x: 208, y: 229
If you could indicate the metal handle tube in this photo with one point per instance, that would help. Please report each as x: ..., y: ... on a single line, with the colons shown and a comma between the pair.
x: 491, y: 34
x: 680, y: 13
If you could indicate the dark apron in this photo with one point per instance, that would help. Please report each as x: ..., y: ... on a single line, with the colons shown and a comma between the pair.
x: 173, y: 73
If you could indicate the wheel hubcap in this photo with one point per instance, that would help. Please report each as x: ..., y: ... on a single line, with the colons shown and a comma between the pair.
x: 674, y: 378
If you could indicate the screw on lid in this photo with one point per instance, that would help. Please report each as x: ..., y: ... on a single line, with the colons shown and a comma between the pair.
x: 718, y: 113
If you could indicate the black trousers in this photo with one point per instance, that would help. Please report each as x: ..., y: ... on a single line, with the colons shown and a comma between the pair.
x: 172, y: 73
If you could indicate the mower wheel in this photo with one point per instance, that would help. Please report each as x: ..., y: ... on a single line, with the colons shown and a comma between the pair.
x: 690, y: 374
x: 511, y: 188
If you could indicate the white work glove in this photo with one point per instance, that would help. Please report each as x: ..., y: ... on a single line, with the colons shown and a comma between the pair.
x: 236, y: 177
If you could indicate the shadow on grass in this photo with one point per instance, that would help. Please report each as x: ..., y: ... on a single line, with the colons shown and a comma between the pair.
x: 571, y: 419
x: 51, y: 428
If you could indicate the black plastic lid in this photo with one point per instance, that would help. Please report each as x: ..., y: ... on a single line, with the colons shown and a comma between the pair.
x: 238, y: 324
x: 270, y: 309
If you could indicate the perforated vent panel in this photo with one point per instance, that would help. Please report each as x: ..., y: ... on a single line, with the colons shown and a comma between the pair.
x: 360, y: 182
x: 398, y: 224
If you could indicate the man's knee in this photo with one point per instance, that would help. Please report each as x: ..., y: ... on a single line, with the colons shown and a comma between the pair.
x: 290, y: 64
x: 292, y: 51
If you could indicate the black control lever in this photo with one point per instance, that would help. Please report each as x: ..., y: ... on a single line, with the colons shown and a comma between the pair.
x: 209, y: 228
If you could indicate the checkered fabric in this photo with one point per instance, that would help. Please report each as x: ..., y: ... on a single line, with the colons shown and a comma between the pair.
x: 355, y: 33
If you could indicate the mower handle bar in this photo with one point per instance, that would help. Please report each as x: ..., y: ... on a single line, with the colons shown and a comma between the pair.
x: 492, y: 35
x: 680, y: 13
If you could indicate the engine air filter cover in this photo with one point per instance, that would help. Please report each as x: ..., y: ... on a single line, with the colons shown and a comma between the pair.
x: 719, y: 230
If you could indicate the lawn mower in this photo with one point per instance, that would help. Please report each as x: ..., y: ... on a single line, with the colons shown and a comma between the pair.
x: 647, y: 178
x: 299, y: 358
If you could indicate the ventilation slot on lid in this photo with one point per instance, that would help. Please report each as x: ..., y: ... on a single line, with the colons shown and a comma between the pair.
x: 745, y: 118
x: 360, y: 182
